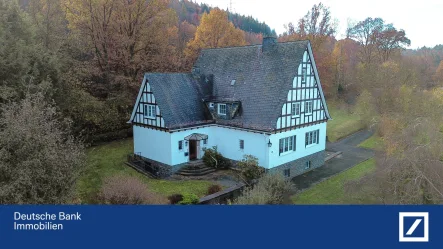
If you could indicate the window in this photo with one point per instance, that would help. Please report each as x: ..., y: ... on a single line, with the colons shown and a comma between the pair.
x: 287, y: 144
x: 149, y: 111
x: 308, y: 107
x: 304, y: 73
x: 222, y: 109
x: 287, y: 172
x: 242, y: 144
x: 205, y: 141
x: 312, y: 137
x: 180, y: 145
x: 295, y: 109
x: 308, y: 165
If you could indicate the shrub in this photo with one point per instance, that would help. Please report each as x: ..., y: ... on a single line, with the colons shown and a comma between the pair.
x: 249, y: 168
x: 270, y: 189
x: 212, y: 158
x: 127, y: 190
x: 189, y: 199
x: 214, y: 189
x: 175, y: 198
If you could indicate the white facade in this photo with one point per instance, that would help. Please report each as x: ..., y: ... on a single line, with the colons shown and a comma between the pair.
x: 163, y: 146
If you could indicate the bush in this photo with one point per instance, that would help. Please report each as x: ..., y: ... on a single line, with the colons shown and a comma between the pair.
x: 249, y: 168
x: 270, y: 189
x: 175, y: 198
x: 127, y: 190
x: 212, y: 158
x: 189, y: 199
x: 214, y: 189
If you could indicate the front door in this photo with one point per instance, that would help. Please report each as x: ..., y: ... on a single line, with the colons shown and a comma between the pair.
x: 192, y: 150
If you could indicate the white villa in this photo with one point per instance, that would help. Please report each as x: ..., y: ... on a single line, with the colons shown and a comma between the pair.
x: 264, y: 100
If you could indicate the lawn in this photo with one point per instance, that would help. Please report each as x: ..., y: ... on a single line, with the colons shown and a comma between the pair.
x: 331, y: 191
x: 375, y: 142
x: 107, y: 160
x: 343, y: 123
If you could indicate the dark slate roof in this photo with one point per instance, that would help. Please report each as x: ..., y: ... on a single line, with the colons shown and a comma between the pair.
x: 179, y: 97
x: 263, y: 79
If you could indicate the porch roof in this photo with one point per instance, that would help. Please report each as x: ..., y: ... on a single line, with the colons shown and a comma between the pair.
x: 196, y: 136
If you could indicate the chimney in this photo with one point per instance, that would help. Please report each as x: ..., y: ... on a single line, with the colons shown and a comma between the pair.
x: 269, y: 43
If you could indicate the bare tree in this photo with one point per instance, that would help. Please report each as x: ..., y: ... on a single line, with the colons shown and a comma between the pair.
x: 410, y: 171
x: 39, y: 160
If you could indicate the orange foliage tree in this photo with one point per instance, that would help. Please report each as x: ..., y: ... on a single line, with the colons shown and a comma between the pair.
x: 214, y: 31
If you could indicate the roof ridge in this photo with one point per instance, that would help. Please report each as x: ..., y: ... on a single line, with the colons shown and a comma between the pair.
x: 255, y: 45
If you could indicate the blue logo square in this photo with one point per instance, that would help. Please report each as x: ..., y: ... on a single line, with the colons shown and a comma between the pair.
x: 408, y: 223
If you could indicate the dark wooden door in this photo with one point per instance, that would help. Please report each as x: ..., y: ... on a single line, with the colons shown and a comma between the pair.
x: 192, y: 150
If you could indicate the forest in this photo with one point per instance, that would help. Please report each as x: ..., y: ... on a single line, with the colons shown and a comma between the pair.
x: 70, y: 71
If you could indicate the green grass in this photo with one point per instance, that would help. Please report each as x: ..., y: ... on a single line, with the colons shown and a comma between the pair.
x: 343, y: 123
x: 108, y: 160
x: 375, y: 142
x: 331, y: 191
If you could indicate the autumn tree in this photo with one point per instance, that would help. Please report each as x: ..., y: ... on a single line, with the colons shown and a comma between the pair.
x: 50, y: 20
x: 127, y: 37
x: 39, y: 160
x: 317, y: 26
x: 24, y: 63
x: 377, y: 39
x: 438, y: 76
x: 214, y: 31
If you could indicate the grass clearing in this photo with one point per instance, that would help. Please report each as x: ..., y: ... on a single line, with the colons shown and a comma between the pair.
x: 343, y: 123
x: 375, y: 142
x: 107, y: 160
x: 331, y: 191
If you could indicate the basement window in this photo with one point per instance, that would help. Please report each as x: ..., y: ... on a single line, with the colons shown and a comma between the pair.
x: 287, y: 172
x: 308, y: 165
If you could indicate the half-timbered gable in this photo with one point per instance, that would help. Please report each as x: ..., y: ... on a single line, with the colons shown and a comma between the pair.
x: 305, y: 103
x: 146, y: 111
x: 177, y: 98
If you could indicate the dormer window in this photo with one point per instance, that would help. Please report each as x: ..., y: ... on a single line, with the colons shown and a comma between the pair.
x: 295, y: 109
x: 149, y: 111
x: 221, y: 109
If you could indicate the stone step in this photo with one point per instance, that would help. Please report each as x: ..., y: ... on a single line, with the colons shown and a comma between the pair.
x: 196, y: 170
x: 196, y: 173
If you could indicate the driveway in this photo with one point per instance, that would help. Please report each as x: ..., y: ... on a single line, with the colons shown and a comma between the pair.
x: 351, y: 156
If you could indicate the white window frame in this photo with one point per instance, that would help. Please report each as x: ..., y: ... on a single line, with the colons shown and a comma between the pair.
x: 287, y: 172
x: 296, y: 109
x: 287, y: 145
x: 219, y: 109
x: 149, y: 111
x: 312, y: 138
x: 309, y: 106
x: 304, y: 74
x: 308, y: 165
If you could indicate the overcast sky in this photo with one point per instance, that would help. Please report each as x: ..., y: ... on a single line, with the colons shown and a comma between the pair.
x: 422, y: 20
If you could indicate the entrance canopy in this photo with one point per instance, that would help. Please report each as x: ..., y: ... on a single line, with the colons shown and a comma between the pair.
x: 196, y: 136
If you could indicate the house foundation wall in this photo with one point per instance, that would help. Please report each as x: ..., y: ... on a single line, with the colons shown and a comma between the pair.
x: 298, y: 166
